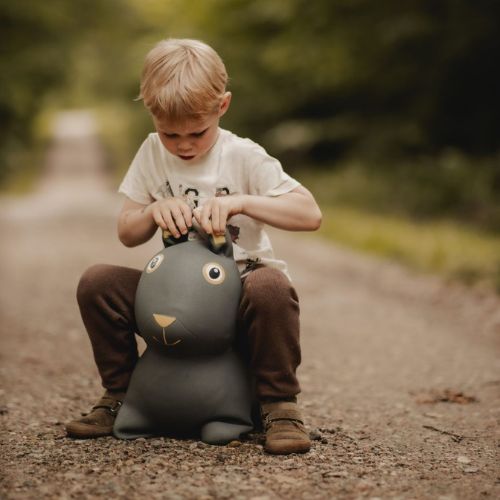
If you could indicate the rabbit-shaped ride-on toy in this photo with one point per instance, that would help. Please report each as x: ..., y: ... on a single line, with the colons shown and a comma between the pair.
x: 189, y: 381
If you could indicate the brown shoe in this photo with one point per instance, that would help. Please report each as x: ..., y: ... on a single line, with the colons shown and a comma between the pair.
x: 99, y: 422
x: 284, y: 427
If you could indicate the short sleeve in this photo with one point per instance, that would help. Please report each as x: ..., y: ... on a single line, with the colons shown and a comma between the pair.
x: 266, y: 175
x: 134, y: 184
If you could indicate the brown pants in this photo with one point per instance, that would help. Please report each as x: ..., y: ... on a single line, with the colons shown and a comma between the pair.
x: 268, y: 327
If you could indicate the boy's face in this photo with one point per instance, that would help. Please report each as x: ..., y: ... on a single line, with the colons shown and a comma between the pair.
x: 191, y: 139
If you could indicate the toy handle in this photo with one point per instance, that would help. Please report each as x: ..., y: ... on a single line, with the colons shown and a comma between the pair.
x: 216, y: 242
x: 169, y: 240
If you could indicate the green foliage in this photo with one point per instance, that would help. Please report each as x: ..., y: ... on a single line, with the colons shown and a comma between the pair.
x: 440, y: 246
x: 406, y: 91
x: 449, y: 185
x: 375, y: 78
x: 29, y: 63
x: 49, y: 51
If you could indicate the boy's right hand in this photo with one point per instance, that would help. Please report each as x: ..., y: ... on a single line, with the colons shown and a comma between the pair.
x: 173, y: 214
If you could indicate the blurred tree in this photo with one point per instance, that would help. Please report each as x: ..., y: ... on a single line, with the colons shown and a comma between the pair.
x: 32, y: 36
x: 42, y: 47
x: 390, y: 77
x: 323, y: 78
x: 315, y: 81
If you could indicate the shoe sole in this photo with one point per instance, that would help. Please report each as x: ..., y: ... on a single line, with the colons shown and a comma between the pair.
x: 88, y: 432
x: 287, y: 448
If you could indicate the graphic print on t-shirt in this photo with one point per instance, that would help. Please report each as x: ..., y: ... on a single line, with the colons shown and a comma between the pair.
x: 191, y: 197
x: 221, y: 191
x: 234, y: 231
x: 165, y: 190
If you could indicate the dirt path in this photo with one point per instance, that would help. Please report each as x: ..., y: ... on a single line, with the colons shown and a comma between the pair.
x: 377, y: 341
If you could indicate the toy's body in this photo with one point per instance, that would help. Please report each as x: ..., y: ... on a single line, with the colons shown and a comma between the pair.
x: 189, y: 381
x: 205, y: 396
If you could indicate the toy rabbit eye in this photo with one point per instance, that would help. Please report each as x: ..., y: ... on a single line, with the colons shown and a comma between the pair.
x: 154, y: 263
x: 214, y: 273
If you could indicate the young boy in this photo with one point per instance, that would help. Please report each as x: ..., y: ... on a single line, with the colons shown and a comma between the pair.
x: 191, y: 169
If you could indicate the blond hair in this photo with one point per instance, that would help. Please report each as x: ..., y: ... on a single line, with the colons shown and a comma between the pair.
x: 182, y: 79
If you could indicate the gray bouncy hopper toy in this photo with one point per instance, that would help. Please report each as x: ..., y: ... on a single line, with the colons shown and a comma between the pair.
x: 189, y: 382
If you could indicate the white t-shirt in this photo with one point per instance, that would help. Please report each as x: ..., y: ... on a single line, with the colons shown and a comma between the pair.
x: 232, y: 166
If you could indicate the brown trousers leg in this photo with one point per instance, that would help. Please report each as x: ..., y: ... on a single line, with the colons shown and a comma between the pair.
x: 268, y: 327
x: 269, y: 332
x: 106, y: 297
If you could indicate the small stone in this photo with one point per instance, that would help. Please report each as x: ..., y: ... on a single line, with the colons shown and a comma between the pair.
x: 470, y: 470
x: 432, y: 415
x: 463, y: 459
x: 283, y: 478
x: 234, y: 444
x: 315, y: 435
x: 335, y: 473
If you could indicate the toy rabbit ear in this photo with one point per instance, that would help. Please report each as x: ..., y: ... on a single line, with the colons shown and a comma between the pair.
x: 218, y: 244
x: 222, y: 244
x: 169, y: 240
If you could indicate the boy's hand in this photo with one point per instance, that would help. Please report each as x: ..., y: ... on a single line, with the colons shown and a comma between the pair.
x: 213, y: 215
x: 173, y: 214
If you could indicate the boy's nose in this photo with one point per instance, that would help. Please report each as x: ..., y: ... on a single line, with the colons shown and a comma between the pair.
x: 184, y: 146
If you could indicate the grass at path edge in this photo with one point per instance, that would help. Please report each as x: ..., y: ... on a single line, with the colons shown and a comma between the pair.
x: 440, y: 247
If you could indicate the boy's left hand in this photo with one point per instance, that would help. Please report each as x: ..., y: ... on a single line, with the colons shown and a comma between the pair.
x: 213, y: 215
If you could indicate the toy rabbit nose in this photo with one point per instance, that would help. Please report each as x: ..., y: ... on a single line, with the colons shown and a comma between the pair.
x: 163, y: 320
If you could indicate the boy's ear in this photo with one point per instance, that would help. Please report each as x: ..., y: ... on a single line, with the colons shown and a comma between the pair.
x: 225, y: 103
